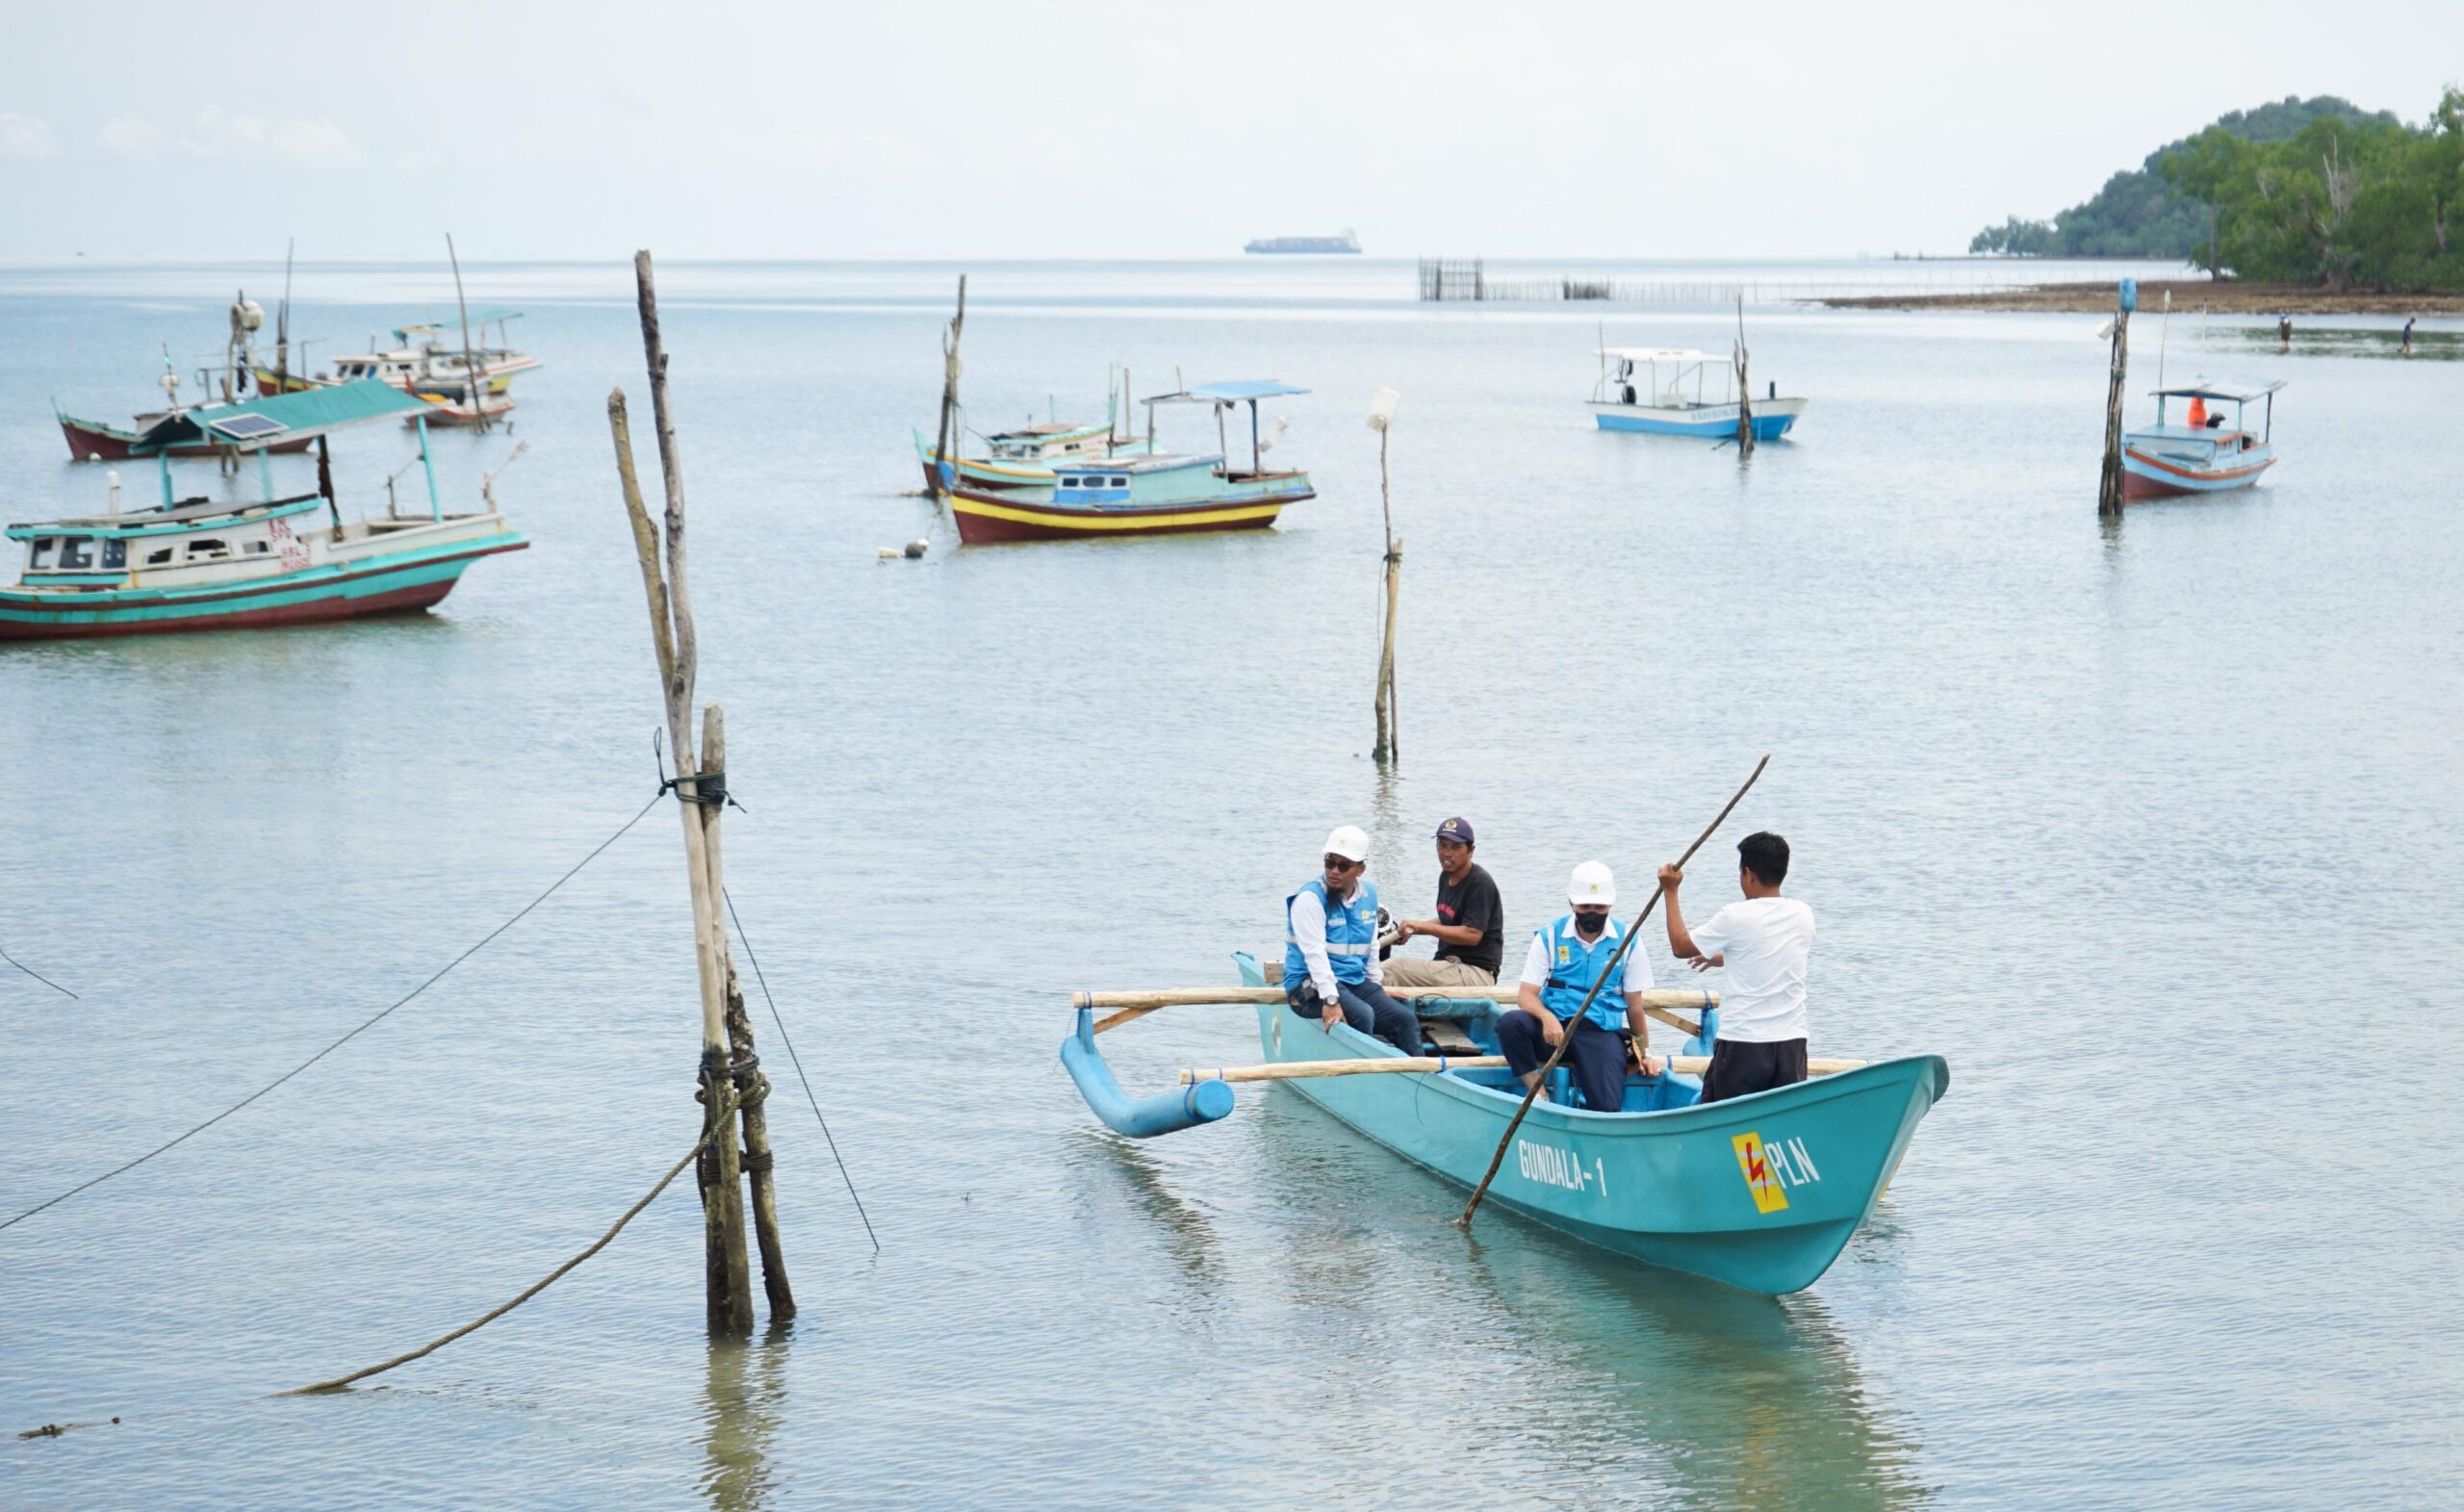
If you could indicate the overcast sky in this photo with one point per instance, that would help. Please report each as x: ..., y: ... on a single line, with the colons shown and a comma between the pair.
x: 907, y: 128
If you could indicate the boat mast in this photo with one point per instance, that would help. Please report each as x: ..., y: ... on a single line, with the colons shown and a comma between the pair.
x: 282, y: 325
x: 470, y: 369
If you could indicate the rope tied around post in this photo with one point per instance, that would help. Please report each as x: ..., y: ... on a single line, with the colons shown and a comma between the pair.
x: 709, y: 788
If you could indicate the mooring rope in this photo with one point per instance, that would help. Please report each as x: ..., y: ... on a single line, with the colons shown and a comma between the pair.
x: 718, y: 1125
x: 799, y: 1064
x: 36, y: 975
x: 363, y: 1026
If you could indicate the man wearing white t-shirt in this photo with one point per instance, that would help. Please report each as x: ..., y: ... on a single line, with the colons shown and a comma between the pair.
x: 1762, y: 943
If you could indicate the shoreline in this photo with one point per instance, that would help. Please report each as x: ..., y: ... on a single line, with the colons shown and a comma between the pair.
x: 2189, y: 296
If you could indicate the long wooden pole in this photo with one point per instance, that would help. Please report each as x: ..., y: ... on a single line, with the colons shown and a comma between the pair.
x: 1430, y: 1066
x: 2109, y: 478
x: 945, y: 442
x: 728, y: 1273
x: 1390, y: 747
x: 1744, y: 389
x: 1660, y: 1002
x: 752, y: 1088
x: 1616, y: 965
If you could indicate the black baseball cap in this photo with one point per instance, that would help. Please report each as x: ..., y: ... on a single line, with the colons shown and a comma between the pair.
x: 1457, y: 830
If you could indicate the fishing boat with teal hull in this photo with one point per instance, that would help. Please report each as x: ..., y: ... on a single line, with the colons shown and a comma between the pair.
x: 1759, y: 1193
x: 199, y: 563
x: 1141, y: 490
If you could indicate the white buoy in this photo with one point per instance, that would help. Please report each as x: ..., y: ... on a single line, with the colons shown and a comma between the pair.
x: 887, y: 553
x: 915, y: 550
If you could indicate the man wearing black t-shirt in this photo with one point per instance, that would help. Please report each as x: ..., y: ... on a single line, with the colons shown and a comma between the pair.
x: 1470, y: 926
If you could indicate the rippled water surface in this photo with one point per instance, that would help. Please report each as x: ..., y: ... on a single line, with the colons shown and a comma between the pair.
x: 2149, y: 830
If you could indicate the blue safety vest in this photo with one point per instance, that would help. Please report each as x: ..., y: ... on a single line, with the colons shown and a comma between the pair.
x: 1351, y: 933
x: 1574, y: 966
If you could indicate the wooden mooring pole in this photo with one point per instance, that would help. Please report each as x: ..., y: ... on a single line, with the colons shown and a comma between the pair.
x: 945, y: 461
x: 1744, y: 388
x: 701, y: 791
x: 1390, y: 746
x: 2109, y: 479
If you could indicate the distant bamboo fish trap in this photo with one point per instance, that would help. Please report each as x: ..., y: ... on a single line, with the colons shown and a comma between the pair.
x: 1468, y: 279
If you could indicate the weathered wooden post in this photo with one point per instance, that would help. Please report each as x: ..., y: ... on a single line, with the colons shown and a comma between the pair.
x: 2108, y: 480
x: 946, y: 448
x: 1389, y: 748
x: 752, y: 1088
x: 728, y: 1284
x: 1744, y: 389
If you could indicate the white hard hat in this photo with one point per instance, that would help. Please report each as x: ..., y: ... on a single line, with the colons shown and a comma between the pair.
x: 1348, y: 841
x: 1592, y: 882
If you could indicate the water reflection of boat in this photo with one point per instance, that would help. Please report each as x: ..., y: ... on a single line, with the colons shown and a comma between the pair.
x: 1692, y: 1395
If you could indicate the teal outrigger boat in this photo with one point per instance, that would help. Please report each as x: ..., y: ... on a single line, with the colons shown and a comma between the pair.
x: 1759, y: 1193
x: 200, y: 563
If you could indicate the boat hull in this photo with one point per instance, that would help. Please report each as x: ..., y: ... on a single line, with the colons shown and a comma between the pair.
x: 90, y: 441
x: 1759, y: 1193
x: 396, y: 583
x: 2146, y: 476
x: 1772, y: 419
x: 986, y: 516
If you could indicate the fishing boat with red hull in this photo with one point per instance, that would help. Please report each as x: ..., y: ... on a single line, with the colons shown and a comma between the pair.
x: 1097, y: 497
x: 93, y: 441
x: 2204, y: 454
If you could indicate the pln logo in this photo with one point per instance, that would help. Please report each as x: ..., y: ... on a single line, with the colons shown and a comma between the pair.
x: 1771, y: 1170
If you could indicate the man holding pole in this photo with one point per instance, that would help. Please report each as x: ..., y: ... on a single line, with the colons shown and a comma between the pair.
x: 1763, y: 943
x: 1330, y: 968
x: 1558, y: 972
x: 1468, y: 926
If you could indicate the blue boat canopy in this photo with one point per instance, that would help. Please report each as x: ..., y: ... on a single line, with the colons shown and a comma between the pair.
x: 2239, y: 391
x: 254, y: 425
x: 1233, y: 393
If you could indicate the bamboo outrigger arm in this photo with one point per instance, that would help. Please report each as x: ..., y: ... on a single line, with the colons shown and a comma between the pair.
x: 1659, y: 1003
x: 1431, y: 1065
x: 1206, y: 1098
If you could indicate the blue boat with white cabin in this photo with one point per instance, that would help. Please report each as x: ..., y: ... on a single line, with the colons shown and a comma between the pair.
x: 1667, y: 392
x: 1759, y: 1193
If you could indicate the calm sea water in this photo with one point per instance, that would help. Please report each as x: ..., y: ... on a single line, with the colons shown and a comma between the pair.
x: 2149, y: 830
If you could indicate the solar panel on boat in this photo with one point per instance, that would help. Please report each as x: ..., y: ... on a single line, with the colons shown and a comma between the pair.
x: 247, y: 428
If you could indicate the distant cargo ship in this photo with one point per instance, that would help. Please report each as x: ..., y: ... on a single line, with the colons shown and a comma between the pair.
x: 1345, y: 243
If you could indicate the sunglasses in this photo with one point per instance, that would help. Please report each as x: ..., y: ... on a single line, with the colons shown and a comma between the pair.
x: 1336, y: 863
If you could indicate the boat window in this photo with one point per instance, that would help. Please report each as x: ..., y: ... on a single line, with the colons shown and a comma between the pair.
x: 76, y: 551
x: 1072, y: 483
x: 1120, y: 483
x: 208, y: 547
x: 261, y: 547
x: 158, y: 558
x: 41, y: 554
x: 115, y: 552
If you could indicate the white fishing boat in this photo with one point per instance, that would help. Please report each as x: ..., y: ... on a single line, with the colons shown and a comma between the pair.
x: 1667, y: 392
